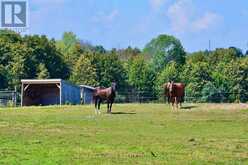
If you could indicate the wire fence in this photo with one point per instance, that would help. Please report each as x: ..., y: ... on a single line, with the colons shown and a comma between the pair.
x: 149, y: 97
x: 8, y: 98
x: 12, y: 98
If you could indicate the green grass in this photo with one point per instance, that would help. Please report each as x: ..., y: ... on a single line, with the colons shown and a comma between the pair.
x: 135, y: 134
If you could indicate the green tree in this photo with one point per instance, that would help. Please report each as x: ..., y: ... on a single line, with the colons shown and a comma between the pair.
x: 5, y: 53
x: 70, y: 48
x: 238, y: 52
x: 128, y: 53
x: 17, y: 71
x: 10, y: 36
x: 222, y: 55
x: 140, y: 75
x: 197, y: 57
x: 3, y: 77
x: 164, y: 49
x: 195, y: 76
x: 109, y: 69
x: 17, y: 66
x: 99, y: 49
x: 44, y: 51
x: 243, y: 79
x: 84, y: 72
x: 42, y: 72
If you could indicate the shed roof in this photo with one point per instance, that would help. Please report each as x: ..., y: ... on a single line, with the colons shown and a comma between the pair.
x: 88, y: 87
x: 45, y: 81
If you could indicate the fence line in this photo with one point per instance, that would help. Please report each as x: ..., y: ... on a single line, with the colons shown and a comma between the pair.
x: 146, y: 96
x: 8, y: 98
x: 12, y: 97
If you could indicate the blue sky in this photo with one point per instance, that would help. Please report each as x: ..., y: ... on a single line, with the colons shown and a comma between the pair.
x: 120, y: 23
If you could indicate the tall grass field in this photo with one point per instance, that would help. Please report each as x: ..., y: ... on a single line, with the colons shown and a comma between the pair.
x: 133, y: 134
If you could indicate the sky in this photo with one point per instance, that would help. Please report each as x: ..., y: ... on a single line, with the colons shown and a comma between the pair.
x: 123, y: 23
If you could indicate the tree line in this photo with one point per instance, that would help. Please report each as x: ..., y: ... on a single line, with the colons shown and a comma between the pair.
x: 210, y: 76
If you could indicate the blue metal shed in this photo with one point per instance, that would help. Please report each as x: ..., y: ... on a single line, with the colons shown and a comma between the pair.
x: 87, y: 94
x: 49, y: 92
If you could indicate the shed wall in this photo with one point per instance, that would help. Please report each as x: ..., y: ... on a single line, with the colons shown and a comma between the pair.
x: 87, y: 95
x: 70, y: 94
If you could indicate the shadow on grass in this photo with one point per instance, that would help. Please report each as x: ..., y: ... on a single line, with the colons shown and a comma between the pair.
x: 189, y: 107
x: 123, y: 113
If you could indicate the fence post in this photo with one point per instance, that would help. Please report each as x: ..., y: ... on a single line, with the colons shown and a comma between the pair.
x: 15, y: 97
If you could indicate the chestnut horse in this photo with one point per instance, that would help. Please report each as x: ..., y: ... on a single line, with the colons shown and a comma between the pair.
x: 104, y: 94
x: 175, y: 93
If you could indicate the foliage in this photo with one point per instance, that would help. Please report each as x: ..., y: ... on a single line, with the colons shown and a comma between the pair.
x: 164, y: 49
x: 242, y: 79
x: 211, y: 94
x: 109, y: 69
x: 84, y: 72
x: 195, y: 76
x: 22, y: 57
x: 220, y: 75
x: 69, y: 46
x: 140, y: 76
x: 44, y: 51
x: 3, y: 77
x: 128, y: 53
x: 42, y: 72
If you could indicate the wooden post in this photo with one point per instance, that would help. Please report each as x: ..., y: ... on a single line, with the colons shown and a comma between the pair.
x: 15, y: 96
x: 22, y: 95
x: 60, y: 91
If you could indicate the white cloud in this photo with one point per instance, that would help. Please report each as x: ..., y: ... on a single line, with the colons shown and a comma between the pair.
x: 184, y: 17
x: 207, y: 20
x: 102, y: 17
x: 156, y: 4
x: 179, y: 15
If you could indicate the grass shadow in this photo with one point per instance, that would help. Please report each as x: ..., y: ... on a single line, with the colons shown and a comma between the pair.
x: 123, y: 113
x: 189, y: 107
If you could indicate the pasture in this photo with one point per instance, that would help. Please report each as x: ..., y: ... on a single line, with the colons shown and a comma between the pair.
x: 134, y: 134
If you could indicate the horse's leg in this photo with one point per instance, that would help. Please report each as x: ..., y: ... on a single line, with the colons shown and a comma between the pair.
x: 181, y: 102
x: 99, y: 106
x: 176, y: 100
x: 111, y: 104
x: 96, y: 102
x: 108, y: 106
x: 172, y: 103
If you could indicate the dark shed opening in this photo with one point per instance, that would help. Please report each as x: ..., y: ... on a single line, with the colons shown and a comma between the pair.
x: 41, y: 94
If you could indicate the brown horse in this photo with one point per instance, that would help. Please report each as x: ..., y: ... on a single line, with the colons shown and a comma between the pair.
x: 175, y: 93
x: 104, y: 94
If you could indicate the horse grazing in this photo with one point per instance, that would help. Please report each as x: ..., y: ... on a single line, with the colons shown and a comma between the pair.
x: 175, y: 93
x: 104, y: 94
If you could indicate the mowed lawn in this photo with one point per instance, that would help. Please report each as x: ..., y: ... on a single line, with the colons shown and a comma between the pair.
x: 134, y: 134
